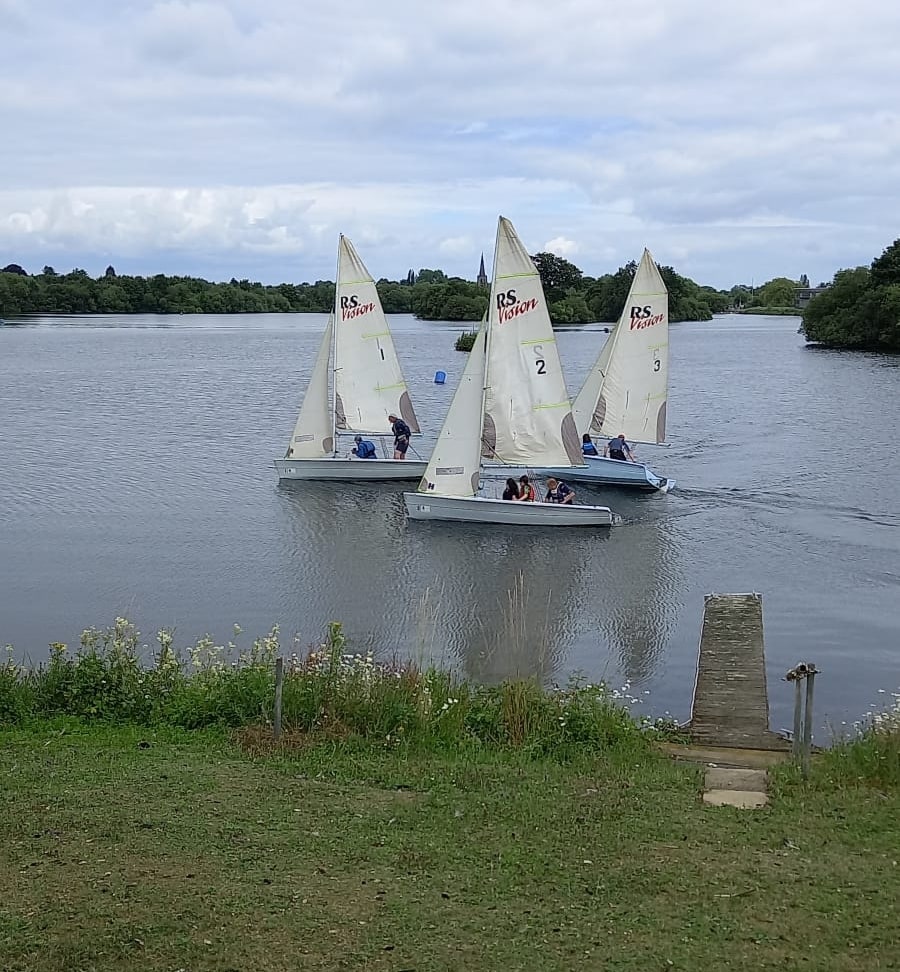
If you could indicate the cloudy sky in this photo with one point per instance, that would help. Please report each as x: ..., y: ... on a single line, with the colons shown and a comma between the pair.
x: 238, y: 137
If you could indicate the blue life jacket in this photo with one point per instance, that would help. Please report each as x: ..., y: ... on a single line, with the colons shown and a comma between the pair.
x: 589, y: 449
x: 365, y: 449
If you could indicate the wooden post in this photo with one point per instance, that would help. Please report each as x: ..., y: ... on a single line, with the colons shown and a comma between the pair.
x: 807, y: 722
x: 798, y: 720
x: 279, y: 689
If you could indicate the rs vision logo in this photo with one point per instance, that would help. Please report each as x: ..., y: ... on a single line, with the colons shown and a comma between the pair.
x: 643, y: 317
x: 351, y: 307
x: 509, y: 306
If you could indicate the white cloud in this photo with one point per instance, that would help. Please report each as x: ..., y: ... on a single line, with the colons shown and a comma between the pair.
x: 561, y: 246
x: 739, y: 140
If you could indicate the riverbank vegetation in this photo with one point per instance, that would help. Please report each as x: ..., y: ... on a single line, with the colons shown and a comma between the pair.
x: 861, y: 309
x: 480, y: 836
x: 327, y: 691
x: 466, y: 341
x: 573, y: 297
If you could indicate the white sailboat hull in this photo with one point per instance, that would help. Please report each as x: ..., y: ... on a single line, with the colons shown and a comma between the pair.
x: 340, y: 469
x: 600, y: 471
x: 482, y: 509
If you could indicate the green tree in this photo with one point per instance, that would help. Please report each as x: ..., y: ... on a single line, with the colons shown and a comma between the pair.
x: 780, y: 292
x: 861, y: 308
x: 558, y: 275
x: 886, y: 268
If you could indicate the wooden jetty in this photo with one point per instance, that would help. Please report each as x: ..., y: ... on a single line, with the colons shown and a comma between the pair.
x: 731, y: 703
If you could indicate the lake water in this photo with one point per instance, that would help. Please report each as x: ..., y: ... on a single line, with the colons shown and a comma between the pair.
x: 136, y: 479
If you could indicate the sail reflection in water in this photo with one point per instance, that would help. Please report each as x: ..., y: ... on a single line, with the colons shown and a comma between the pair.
x: 513, y: 609
x: 639, y: 598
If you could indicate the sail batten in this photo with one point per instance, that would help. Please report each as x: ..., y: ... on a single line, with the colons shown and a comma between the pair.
x: 368, y: 381
x: 528, y: 413
x: 626, y: 390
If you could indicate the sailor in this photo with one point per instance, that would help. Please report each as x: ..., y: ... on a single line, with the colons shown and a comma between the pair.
x: 512, y: 490
x: 587, y: 446
x: 402, y: 433
x: 558, y: 492
x: 526, y: 490
x: 618, y: 448
x: 364, y: 448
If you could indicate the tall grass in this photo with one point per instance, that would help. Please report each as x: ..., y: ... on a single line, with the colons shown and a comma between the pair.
x: 871, y: 755
x: 330, y: 690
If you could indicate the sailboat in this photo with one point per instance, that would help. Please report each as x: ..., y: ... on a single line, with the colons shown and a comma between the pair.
x: 368, y: 387
x: 627, y: 388
x: 511, y: 405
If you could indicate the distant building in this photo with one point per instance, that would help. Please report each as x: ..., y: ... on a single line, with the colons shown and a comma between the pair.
x: 804, y: 295
x: 482, y: 278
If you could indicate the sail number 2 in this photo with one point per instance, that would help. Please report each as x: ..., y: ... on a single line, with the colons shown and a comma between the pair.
x: 539, y: 363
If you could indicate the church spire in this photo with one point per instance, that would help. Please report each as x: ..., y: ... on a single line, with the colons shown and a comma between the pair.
x: 482, y: 279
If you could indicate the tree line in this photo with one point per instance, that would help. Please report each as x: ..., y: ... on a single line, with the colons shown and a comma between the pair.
x: 861, y: 308
x: 573, y: 297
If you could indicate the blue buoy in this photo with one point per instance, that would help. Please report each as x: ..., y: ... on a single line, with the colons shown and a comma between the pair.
x: 440, y: 377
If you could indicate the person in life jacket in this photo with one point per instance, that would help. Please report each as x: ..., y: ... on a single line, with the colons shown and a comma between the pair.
x: 364, y: 449
x: 526, y: 491
x: 587, y: 446
x: 558, y: 492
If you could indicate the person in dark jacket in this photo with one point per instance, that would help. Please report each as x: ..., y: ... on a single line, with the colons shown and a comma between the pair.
x: 512, y: 490
x: 618, y: 448
x: 402, y: 433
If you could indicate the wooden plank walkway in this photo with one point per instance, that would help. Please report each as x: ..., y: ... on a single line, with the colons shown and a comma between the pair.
x: 731, y: 703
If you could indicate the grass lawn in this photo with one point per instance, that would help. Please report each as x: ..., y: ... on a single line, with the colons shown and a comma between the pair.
x: 168, y: 850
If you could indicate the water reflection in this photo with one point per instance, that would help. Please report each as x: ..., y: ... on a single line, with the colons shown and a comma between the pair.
x: 493, y: 603
x: 640, y: 602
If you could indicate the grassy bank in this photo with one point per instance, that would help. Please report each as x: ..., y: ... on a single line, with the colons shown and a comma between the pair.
x: 156, y: 848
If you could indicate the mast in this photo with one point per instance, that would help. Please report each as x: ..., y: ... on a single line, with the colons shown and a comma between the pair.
x: 334, y: 314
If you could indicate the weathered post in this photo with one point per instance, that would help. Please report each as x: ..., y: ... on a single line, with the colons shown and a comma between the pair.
x: 801, y: 744
x: 807, y: 724
x: 279, y: 690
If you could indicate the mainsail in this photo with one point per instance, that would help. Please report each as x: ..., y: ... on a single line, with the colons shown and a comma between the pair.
x: 528, y: 415
x: 368, y: 382
x: 313, y: 436
x: 627, y: 392
x: 454, y: 467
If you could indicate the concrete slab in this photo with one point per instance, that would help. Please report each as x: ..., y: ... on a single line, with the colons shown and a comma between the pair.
x: 742, y: 799
x: 725, y: 756
x: 724, y: 778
